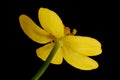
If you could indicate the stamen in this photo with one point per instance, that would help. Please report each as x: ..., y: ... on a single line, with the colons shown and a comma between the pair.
x: 74, y: 32
x: 67, y: 30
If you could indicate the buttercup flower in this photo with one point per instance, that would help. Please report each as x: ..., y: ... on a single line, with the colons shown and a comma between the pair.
x: 74, y: 49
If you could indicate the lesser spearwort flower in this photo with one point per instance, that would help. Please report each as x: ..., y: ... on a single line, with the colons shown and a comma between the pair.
x: 60, y: 42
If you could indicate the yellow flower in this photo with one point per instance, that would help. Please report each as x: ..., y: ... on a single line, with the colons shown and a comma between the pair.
x: 74, y: 49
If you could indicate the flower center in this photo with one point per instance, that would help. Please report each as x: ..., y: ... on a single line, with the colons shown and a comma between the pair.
x: 67, y: 31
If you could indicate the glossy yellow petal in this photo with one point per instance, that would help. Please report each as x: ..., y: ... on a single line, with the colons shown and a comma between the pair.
x: 79, y: 61
x: 44, y: 51
x: 33, y: 31
x: 84, y: 45
x: 51, y: 22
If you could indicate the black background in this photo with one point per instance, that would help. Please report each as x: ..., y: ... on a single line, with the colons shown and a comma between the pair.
x: 94, y: 19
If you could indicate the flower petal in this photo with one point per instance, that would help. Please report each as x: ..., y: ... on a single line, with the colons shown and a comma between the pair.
x: 44, y: 51
x: 79, y: 61
x: 51, y: 22
x: 33, y: 31
x: 84, y: 45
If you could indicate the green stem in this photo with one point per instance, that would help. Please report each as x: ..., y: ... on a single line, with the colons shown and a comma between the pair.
x: 47, y: 62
